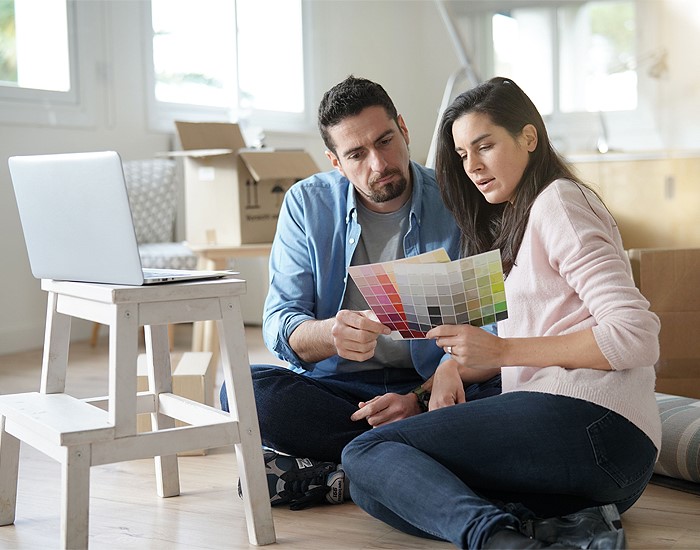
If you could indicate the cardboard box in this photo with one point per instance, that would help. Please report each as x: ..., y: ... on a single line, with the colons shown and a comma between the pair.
x: 685, y: 387
x: 233, y: 195
x: 670, y: 280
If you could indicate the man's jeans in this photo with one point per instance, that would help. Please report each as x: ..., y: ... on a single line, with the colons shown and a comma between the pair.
x: 310, y: 417
x: 460, y: 472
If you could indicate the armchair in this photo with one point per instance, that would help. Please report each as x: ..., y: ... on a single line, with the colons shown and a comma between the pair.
x: 152, y: 190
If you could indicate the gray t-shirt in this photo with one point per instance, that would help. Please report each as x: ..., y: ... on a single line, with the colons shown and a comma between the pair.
x: 381, y: 240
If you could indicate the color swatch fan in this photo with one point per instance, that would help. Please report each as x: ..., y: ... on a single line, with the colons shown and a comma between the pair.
x: 415, y: 294
x: 377, y: 283
x: 467, y: 291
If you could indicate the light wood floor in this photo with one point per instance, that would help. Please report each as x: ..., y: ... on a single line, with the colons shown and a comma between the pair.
x: 125, y: 511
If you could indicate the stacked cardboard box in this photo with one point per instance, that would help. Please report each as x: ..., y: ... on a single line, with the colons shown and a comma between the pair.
x: 233, y: 194
x: 670, y: 280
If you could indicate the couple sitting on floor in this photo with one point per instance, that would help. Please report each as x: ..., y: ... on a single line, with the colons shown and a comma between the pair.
x: 536, y: 435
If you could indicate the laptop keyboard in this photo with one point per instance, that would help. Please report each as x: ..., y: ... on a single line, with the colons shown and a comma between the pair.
x: 153, y: 272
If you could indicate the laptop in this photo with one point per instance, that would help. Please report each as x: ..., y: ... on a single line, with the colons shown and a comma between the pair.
x: 77, y: 223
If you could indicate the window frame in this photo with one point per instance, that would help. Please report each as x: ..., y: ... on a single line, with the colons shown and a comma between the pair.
x: 73, y: 108
x: 162, y: 115
x: 579, y: 131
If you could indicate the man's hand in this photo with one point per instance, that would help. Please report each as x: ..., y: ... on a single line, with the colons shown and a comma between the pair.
x: 387, y: 408
x: 355, y: 334
x: 350, y: 334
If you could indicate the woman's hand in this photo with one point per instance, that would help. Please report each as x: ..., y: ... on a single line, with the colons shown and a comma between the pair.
x: 448, y: 388
x: 470, y: 346
x: 477, y: 349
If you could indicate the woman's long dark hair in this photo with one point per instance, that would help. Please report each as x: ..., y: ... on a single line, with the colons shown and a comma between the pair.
x: 488, y: 226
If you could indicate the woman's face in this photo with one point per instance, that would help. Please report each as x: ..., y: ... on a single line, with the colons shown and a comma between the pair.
x: 492, y: 158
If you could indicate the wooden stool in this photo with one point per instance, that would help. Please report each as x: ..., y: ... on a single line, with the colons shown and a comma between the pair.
x: 80, y: 433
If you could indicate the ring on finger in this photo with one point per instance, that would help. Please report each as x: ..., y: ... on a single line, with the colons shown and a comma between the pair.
x: 448, y: 349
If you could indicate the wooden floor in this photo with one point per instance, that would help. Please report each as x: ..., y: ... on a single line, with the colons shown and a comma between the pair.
x: 125, y: 511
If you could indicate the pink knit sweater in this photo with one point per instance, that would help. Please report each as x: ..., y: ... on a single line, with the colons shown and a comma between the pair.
x: 572, y: 273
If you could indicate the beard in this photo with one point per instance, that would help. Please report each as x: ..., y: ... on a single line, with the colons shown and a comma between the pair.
x: 389, y: 191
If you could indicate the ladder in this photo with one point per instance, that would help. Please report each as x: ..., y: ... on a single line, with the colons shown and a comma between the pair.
x: 465, y: 71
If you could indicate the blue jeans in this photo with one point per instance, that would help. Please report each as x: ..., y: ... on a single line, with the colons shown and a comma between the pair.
x: 310, y: 417
x: 459, y: 473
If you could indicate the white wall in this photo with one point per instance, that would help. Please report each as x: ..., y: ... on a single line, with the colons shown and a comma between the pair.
x: 679, y: 101
x: 400, y: 43
x: 369, y: 39
x: 119, y: 125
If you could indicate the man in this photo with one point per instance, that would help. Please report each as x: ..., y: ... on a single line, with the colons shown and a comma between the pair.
x: 346, y: 374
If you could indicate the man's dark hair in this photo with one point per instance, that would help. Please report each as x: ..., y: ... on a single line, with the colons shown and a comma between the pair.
x: 349, y: 98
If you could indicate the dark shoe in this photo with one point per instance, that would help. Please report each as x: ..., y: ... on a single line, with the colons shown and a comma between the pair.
x: 612, y: 540
x: 510, y: 539
x: 302, y: 482
x: 597, y: 528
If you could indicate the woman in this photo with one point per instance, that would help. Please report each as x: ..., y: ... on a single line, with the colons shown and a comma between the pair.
x: 577, y: 426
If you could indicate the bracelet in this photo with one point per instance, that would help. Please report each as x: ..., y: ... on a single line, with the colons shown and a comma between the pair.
x: 423, y: 396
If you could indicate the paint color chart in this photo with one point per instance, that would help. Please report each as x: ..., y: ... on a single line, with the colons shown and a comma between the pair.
x: 377, y: 283
x: 414, y: 294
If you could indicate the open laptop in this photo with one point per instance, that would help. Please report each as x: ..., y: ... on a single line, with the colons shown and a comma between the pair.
x: 77, y: 221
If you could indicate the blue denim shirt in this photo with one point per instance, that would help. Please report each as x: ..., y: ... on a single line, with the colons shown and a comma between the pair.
x: 317, y: 233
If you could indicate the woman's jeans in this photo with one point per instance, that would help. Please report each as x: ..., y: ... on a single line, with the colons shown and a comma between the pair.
x: 461, y: 472
x: 310, y: 417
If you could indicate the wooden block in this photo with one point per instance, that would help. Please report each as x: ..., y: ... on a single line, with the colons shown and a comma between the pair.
x: 143, y: 421
x: 192, y: 378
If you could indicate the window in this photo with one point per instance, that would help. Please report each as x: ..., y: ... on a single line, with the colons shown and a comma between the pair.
x: 194, y: 58
x: 598, y: 38
x: 570, y: 58
x: 237, y: 61
x: 270, y: 60
x: 34, y: 45
x: 583, y: 63
x: 40, y: 62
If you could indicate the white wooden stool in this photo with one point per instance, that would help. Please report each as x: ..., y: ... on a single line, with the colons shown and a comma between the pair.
x: 80, y: 433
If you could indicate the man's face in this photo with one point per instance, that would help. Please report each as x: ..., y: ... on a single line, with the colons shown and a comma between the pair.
x: 372, y: 152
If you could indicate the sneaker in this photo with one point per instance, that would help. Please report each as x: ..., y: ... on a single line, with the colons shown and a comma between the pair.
x: 512, y: 539
x: 302, y: 482
x: 599, y: 528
